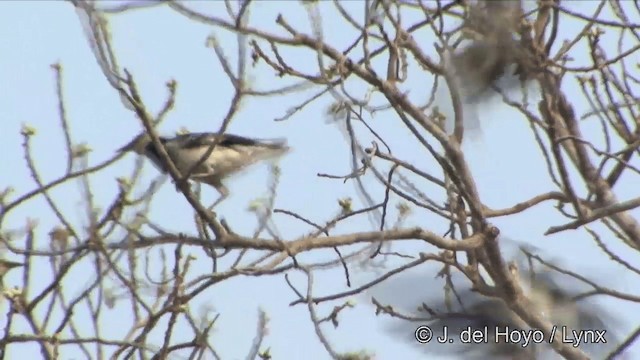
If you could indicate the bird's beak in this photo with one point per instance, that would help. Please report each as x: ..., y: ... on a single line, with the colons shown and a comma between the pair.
x: 133, y: 145
x: 127, y: 147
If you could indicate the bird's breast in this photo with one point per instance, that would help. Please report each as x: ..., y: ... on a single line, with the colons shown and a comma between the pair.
x: 222, y: 161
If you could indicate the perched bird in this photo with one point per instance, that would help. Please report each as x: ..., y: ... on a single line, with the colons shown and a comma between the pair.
x: 231, y: 154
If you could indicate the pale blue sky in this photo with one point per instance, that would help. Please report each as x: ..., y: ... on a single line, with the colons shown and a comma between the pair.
x: 157, y: 45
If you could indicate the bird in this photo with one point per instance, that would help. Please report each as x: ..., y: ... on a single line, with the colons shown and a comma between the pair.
x: 548, y: 298
x: 552, y: 296
x: 231, y: 154
x: 493, y: 49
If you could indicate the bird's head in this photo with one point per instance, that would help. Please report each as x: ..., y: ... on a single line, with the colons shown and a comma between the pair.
x: 138, y: 144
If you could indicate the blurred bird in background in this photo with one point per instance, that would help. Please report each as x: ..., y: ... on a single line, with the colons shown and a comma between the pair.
x: 549, y: 296
x: 489, y: 54
x: 491, y: 29
x: 548, y: 299
x: 231, y: 154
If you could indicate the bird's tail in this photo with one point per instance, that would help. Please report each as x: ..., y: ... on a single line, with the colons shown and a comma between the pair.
x: 270, y: 149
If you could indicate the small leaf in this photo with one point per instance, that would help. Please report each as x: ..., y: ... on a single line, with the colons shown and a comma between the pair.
x: 27, y: 130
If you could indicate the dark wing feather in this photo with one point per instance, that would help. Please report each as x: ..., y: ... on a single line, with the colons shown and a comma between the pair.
x: 231, y: 140
x: 195, y: 140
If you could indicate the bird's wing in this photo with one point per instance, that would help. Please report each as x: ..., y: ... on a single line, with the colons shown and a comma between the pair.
x: 194, y: 140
